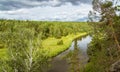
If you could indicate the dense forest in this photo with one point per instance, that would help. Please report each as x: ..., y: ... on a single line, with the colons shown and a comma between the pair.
x: 21, y: 43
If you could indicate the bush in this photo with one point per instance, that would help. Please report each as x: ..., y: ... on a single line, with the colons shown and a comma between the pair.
x: 60, y: 42
x: 1, y: 46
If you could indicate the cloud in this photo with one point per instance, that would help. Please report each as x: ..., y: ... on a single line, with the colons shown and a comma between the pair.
x: 18, y: 4
x: 15, y: 12
x: 66, y: 12
x: 75, y: 2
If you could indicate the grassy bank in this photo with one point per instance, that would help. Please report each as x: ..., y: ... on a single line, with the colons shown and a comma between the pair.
x: 51, y: 45
x: 54, y: 48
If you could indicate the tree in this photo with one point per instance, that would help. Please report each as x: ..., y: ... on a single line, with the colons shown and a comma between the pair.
x: 106, y: 19
x: 105, y: 47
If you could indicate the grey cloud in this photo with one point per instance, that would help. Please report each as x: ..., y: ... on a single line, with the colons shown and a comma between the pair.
x: 71, y: 1
x: 11, y: 5
x: 77, y: 2
x: 17, y: 4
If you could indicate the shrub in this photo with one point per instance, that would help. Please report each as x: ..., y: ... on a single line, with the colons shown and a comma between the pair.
x: 1, y: 46
x: 60, y: 42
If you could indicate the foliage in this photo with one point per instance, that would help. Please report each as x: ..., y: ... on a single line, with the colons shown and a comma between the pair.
x: 47, y: 29
x: 23, y: 43
x: 24, y: 50
x: 104, y: 49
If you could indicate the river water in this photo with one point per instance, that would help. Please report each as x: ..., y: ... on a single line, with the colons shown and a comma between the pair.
x: 73, y: 59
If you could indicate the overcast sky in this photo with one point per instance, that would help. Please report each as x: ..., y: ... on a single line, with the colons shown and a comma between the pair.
x: 50, y: 10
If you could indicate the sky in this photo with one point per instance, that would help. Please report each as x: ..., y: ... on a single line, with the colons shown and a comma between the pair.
x: 45, y: 10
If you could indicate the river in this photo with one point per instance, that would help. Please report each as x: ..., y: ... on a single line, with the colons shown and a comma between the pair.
x: 73, y: 59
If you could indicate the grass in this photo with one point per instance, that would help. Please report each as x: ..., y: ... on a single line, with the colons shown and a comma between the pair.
x: 50, y: 45
x: 3, y: 53
x: 54, y: 49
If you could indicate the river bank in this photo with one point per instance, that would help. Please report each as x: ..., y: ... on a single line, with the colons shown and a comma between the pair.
x: 74, y: 59
x: 54, y: 48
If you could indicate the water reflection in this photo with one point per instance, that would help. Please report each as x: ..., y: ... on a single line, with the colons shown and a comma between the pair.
x: 74, y: 59
x: 82, y: 43
x: 78, y: 54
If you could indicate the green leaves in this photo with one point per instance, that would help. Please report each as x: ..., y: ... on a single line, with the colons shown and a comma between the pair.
x: 104, y: 48
x: 117, y: 8
x: 23, y: 49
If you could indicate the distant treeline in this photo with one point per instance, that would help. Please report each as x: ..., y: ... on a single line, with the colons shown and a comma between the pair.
x: 46, y: 29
